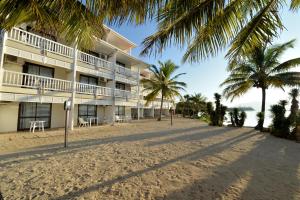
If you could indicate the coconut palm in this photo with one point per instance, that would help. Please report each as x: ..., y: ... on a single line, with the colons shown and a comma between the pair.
x: 209, y: 26
x: 261, y: 69
x: 74, y: 19
x: 163, y: 83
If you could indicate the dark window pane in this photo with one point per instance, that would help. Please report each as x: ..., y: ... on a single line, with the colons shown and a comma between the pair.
x: 82, y: 109
x: 91, y: 110
x: 43, y: 110
x: 48, y: 72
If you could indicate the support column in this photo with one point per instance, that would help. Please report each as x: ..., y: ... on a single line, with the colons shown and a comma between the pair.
x: 3, y: 38
x: 74, y: 69
x: 113, y: 60
x: 153, y: 110
x: 139, y: 101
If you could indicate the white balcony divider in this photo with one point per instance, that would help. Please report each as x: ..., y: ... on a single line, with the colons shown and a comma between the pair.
x: 18, y: 79
x: 93, y: 60
x: 125, y: 94
x: 125, y: 71
x: 93, y: 89
x: 37, y: 41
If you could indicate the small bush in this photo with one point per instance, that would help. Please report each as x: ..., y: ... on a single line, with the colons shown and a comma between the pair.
x: 237, y: 118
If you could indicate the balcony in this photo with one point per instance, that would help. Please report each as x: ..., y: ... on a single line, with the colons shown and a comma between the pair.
x: 24, y: 80
x: 45, y: 45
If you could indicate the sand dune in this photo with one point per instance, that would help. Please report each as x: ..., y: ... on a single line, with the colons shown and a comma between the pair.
x: 149, y: 160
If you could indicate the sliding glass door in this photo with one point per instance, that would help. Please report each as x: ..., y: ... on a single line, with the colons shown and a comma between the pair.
x: 87, y: 111
x: 33, y: 112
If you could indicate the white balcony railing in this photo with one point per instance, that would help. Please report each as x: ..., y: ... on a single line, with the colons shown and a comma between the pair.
x: 93, y: 89
x: 125, y: 71
x: 124, y: 94
x: 93, y: 60
x: 47, y: 45
x: 24, y: 80
x: 42, y: 43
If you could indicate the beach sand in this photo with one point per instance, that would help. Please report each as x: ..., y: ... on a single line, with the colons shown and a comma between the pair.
x: 149, y: 160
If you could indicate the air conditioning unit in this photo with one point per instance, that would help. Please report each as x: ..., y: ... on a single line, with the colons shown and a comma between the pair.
x: 11, y: 59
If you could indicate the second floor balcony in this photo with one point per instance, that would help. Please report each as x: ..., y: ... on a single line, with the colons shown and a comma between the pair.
x: 42, y: 83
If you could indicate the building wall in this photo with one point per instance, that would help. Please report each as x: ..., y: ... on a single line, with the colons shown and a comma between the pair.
x: 9, y: 117
x: 57, y: 116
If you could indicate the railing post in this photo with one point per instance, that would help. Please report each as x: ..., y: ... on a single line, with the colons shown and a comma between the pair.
x: 74, y: 69
x: 139, y: 102
x: 113, y: 60
x: 3, y: 38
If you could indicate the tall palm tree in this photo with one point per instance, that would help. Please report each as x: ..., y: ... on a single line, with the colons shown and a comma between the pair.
x: 163, y: 83
x: 208, y: 26
x: 261, y: 69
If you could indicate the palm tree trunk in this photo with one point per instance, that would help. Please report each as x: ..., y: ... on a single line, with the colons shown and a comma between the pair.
x: 263, y: 109
x: 161, y: 106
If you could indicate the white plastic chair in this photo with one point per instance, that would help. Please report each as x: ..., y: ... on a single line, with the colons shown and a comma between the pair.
x: 82, y: 123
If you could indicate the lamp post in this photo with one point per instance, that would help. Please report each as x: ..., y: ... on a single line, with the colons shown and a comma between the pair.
x: 67, y: 108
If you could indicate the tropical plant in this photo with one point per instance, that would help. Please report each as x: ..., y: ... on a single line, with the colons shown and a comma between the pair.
x: 294, y: 106
x: 237, y: 117
x: 76, y: 20
x: 198, y: 103
x: 280, y: 124
x: 209, y: 26
x: 261, y: 69
x: 260, y: 120
x: 216, y: 115
x: 162, y: 83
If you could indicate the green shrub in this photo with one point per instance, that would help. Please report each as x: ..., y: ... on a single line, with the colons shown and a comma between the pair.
x: 237, y: 118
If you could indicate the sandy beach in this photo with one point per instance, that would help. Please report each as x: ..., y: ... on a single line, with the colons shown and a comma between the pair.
x: 149, y: 160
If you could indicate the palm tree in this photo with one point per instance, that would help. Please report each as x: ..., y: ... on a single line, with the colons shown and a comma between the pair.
x: 186, y: 99
x: 261, y: 69
x: 76, y: 20
x: 162, y: 82
x: 208, y: 26
x: 198, y: 103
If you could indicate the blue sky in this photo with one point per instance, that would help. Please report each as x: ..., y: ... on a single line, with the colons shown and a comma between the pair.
x: 205, y: 77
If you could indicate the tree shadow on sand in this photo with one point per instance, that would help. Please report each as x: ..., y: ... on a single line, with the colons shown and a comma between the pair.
x: 198, y: 154
x: 46, y: 151
x: 271, y: 169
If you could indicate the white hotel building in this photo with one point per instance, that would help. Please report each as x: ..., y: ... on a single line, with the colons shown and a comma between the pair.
x: 38, y: 73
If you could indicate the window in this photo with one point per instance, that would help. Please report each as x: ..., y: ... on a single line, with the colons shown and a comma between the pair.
x: 120, y: 86
x: 39, y: 70
x: 120, y: 110
x: 87, y: 111
x: 33, y: 112
x: 88, y: 80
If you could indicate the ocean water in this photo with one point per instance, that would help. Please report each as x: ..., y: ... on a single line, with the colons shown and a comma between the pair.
x: 251, y: 120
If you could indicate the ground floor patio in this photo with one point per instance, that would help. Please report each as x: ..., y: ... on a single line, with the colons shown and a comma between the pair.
x: 147, y: 159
